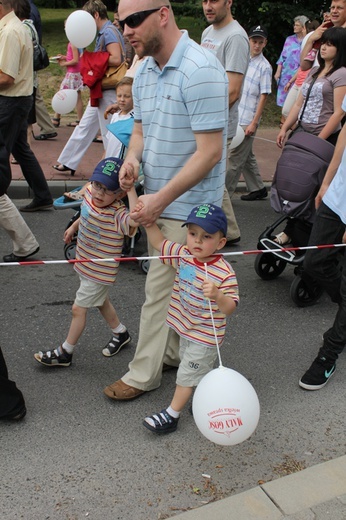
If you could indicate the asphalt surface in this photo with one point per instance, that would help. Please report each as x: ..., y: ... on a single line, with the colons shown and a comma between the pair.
x: 79, y: 455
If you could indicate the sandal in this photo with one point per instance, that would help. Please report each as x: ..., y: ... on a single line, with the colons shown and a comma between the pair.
x: 282, y: 239
x: 62, y: 168
x: 74, y: 124
x: 56, y: 122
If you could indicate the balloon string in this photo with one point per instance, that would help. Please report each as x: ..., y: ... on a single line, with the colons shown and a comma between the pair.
x: 212, y: 320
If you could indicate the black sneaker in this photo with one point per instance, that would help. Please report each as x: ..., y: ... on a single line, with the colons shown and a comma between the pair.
x: 255, y: 195
x: 116, y: 343
x: 161, y: 422
x: 318, y: 374
x: 52, y: 358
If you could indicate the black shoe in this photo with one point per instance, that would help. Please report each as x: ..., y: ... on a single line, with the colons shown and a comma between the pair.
x: 161, y: 422
x: 44, y: 137
x: 53, y: 358
x: 318, y: 374
x: 255, y: 195
x: 36, y: 206
x: 14, y: 258
x: 232, y: 242
x: 16, y: 415
x: 116, y: 343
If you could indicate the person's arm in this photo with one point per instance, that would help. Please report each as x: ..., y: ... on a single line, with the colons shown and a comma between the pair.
x: 129, y: 171
x: 133, y: 200
x: 116, y: 56
x: 291, y: 119
x: 209, y: 147
x: 333, y: 166
x: 235, y: 81
x: 313, y: 38
x: 63, y: 61
x: 225, y: 302
x: 291, y: 81
x: 252, y: 127
x: 71, y: 231
x: 5, y: 80
x: 338, y: 113
x: 278, y: 73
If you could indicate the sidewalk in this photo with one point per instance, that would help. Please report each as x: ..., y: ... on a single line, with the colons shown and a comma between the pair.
x: 316, y: 493
x: 47, y: 153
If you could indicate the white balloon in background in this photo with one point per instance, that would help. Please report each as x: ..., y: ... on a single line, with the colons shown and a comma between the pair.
x: 225, y: 407
x: 80, y: 29
x: 238, y: 138
x: 64, y: 101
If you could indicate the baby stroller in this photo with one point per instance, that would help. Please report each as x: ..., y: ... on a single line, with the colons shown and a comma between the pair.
x: 298, y: 176
x: 122, y: 130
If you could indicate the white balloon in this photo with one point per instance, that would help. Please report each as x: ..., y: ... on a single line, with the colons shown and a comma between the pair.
x: 238, y: 138
x: 64, y: 101
x: 225, y: 407
x: 80, y: 29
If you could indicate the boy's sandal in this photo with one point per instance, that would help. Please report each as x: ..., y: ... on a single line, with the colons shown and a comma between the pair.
x: 56, y: 122
x: 74, y: 124
x: 282, y: 239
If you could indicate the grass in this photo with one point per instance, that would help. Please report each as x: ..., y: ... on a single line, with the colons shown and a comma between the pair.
x: 55, y: 41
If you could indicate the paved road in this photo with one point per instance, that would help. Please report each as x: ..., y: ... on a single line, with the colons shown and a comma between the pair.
x: 78, y: 455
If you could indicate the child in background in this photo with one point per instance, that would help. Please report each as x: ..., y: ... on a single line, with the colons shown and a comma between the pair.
x: 72, y: 80
x: 103, y: 223
x: 116, y: 148
x: 200, y: 277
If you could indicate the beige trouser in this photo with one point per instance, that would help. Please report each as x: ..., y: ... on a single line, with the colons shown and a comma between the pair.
x: 233, y: 230
x: 24, y: 242
x: 157, y: 343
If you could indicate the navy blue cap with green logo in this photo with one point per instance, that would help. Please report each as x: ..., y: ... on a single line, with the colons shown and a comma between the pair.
x: 107, y: 173
x: 209, y: 217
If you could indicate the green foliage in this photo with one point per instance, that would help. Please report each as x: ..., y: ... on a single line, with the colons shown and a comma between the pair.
x: 276, y: 16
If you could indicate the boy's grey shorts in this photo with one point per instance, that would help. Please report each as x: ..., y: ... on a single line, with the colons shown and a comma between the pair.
x: 196, y: 361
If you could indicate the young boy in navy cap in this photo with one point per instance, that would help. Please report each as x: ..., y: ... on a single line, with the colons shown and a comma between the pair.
x: 102, y: 225
x: 201, y: 276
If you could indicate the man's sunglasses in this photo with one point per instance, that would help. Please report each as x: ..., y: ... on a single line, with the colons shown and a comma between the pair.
x: 136, y: 19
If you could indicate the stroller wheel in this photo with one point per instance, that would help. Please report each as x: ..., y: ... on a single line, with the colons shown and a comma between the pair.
x: 268, y: 266
x: 144, y: 264
x: 70, y: 250
x: 303, y: 294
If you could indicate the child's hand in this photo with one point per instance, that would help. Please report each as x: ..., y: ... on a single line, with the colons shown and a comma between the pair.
x: 138, y: 207
x: 111, y: 109
x: 210, y: 290
x: 69, y: 234
x: 128, y: 175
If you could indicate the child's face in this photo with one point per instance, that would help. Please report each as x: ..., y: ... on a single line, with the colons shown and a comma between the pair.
x: 102, y: 196
x: 257, y: 44
x: 202, y: 244
x: 124, y: 98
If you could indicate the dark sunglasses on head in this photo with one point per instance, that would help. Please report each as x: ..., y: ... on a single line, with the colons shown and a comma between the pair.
x: 136, y: 19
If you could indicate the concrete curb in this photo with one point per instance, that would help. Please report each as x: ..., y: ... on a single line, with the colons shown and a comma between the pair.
x: 301, y: 493
x: 20, y: 189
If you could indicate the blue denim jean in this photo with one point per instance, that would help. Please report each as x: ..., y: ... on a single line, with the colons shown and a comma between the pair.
x: 327, y: 267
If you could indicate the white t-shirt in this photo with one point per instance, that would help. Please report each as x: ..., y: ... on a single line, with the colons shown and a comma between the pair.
x: 335, y: 196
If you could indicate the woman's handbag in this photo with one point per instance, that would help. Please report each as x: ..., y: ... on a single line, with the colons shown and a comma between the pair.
x: 113, y: 75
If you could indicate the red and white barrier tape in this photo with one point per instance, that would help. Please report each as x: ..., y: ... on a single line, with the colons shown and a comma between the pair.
x: 141, y: 258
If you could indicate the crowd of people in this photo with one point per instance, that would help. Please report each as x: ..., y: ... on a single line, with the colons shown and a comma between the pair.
x: 186, y: 207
